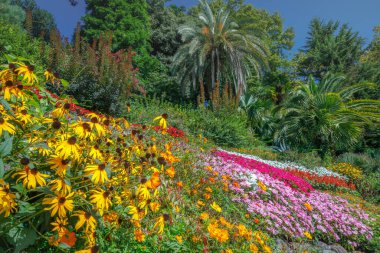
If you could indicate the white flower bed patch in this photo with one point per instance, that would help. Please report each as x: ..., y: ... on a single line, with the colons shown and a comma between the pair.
x: 322, y: 171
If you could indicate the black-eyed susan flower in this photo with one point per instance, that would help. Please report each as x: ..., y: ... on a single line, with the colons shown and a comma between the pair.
x: 7, y: 200
x: 83, y: 130
x: 68, y: 148
x: 97, y: 173
x: 95, y: 153
x: 143, y: 192
x: 60, y: 224
x: 93, y: 249
x: 85, y: 218
x: 8, y: 89
x: 60, y: 203
x: 27, y: 71
x: 61, y: 110
x: 60, y: 185
x: 24, y: 117
x: 31, y: 178
x: 162, y: 121
x: 159, y: 225
x: 134, y: 212
x: 101, y: 200
x: 59, y: 164
x: 6, y: 126
x: 94, y: 123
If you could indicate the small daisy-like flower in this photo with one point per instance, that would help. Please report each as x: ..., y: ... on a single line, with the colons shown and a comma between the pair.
x: 27, y: 71
x: 85, y: 218
x: 60, y: 203
x: 97, y: 173
x: 162, y: 121
x: 31, y: 178
x: 68, y: 148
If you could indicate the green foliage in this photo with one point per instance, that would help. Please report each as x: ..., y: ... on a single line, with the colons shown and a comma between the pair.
x: 11, y: 13
x: 324, y: 116
x: 329, y: 48
x: 127, y: 20
x: 14, y: 40
x: 223, y: 127
x: 215, y: 49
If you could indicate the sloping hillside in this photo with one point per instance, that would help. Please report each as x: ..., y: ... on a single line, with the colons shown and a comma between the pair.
x: 73, y: 180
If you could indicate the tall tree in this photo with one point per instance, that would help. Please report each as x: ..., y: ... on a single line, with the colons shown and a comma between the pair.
x: 216, y: 50
x: 127, y: 20
x: 330, y: 47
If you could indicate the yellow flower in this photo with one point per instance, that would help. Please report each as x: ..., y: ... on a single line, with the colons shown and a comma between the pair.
x: 30, y: 177
x: 68, y: 148
x: 85, y: 218
x: 162, y: 121
x: 204, y: 216
x: 7, y: 200
x: 60, y: 185
x: 221, y: 235
x: 95, y: 153
x: 6, y: 126
x: 27, y: 72
x: 97, y: 173
x: 154, y: 206
x: 24, y: 117
x: 82, y: 129
x: 101, y: 200
x: 216, y: 207
x: 308, y: 206
x: 59, y: 204
x: 59, y: 224
x: 200, y: 203
x: 170, y: 172
x: 143, y: 192
x: 134, y: 212
x: 253, y: 248
x: 139, y: 235
x: 159, y: 225
x: 267, y: 249
x: 95, y: 119
x: 262, y: 186
x: 308, y: 235
x: 61, y: 110
x: 179, y: 239
x: 59, y: 164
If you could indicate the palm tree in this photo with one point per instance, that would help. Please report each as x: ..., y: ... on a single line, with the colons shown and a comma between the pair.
x: 325, y: 115
x: 215, y: 50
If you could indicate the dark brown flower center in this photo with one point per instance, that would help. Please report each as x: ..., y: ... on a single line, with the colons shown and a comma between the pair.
x: 87, y: 215
x: 33, y: 171
x: 9, y: 83
x: 72, y: 140
x: 86, y: 126
x: 166, y: 217
x: 107, y: 122
x: 106, y: 194
x: 24, y: 161
x: 24, y: 112
x: 20, y: 86
x: 66, y: 106
x: 31, y: 68
x: 62, y: 200
x: 65, y: 161
x: 95, y: 249
x: 101, y: 166
x: 56, y: 124
x: 94, y: 120
x: 165, y: 115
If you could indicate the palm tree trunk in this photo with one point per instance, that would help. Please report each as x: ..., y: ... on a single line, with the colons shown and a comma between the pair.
x: 212, y: 69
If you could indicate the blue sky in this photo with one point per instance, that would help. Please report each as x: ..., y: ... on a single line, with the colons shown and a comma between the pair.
x: 362, y: 15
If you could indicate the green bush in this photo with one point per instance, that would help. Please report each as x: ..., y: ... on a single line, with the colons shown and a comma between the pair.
x: 310, y: 159
x: 14, y: 40
x: 223, y: 127
x: 364, y: 161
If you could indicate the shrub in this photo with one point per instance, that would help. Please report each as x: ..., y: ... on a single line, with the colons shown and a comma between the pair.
x: 364, y: 161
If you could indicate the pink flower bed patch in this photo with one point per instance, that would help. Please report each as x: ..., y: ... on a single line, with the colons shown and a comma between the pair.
x: 288, y: 178
x: 282, y: 211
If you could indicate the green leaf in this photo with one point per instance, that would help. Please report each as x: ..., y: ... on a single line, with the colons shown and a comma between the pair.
x: 65, y: 83
x: 5, y: 104
x: 21, y: 237
x: 2, y: 171
x: 6, y: 147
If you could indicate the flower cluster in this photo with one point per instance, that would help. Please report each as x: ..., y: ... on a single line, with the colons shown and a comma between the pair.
x: 349, y: 170
x: 287, y: 177
x: 322, y: 171
x: 295, y: 214
x: 323, y: 182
